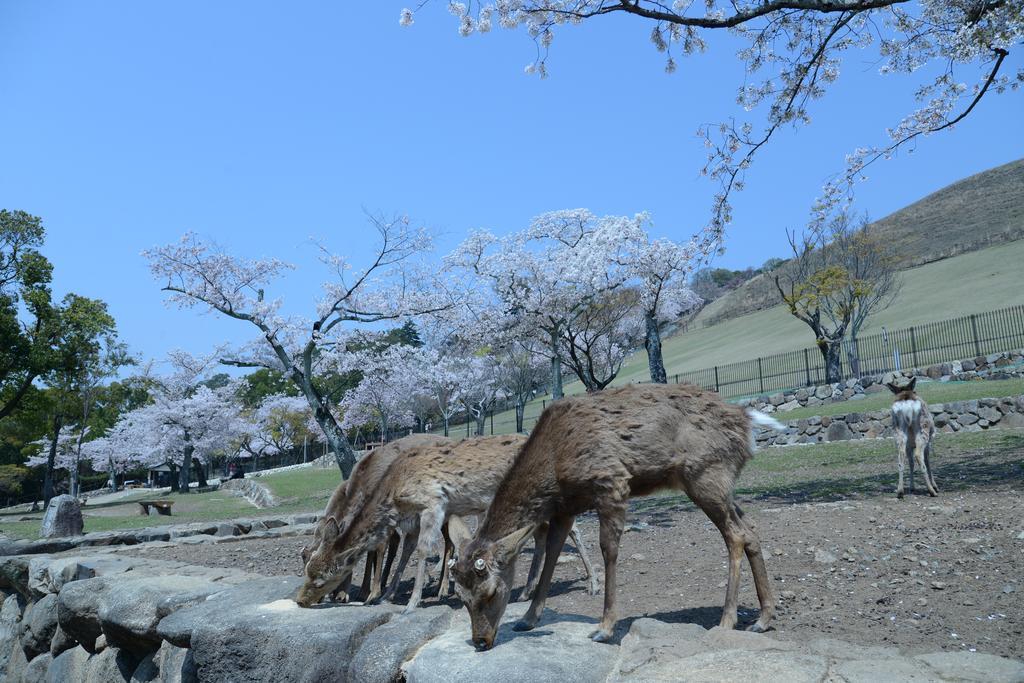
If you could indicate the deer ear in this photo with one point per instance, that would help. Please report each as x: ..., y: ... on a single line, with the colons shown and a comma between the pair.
x: 910, y: 384
x: 893, y: 388
x: 509, y: 546
x: 458, y: 532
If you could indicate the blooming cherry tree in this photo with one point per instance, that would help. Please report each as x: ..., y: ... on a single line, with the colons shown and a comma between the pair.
x: 388, y: 288
x: 276, y: 426
x: 792, y: 51
x: 385, y: 392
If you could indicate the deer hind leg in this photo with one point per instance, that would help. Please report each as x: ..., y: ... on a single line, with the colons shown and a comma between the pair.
x: 920, y: 447
x: 765, y: 595
x: 593, y: 587
x: 540, y: 536
x: 901, y: 456
x: 431, y: 521
x: 722, y: 514
x: 558, y: 529
x: 928, y: 464
x: 449, y: 549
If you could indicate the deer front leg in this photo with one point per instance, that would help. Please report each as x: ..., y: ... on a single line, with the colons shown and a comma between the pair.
x: 377, y: 566
x: 431, y: 520
x: 593, y: 587
x: 612, y: 521
x: 393, y: 542
x: 540, y: 539
x: 365, y: 590
x: 408, y: 541
x: 558, y: 529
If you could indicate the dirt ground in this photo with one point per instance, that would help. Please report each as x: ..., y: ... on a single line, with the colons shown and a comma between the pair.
x: 923, y: 574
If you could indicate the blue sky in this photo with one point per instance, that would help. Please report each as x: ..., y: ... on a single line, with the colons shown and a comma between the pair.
x: 260, y: 124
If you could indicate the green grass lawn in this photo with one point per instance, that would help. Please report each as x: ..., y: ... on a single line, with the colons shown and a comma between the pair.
x: 932, y: 392
x: 301, y: 490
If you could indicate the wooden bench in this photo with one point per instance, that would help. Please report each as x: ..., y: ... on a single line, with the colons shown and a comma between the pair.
x: 163, y: 507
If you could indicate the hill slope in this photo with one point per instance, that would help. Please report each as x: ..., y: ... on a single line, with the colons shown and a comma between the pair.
x: 983, y: 210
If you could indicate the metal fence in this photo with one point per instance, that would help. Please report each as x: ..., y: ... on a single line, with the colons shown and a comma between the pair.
x: 913, y: 347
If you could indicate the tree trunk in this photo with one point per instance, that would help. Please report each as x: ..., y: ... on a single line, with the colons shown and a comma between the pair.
x: 200, y: 472
x: 336, y: 441
x: 186, y: 468
x: 832, y: 353
x: 520, y: 410
x: 51, y: 459
x: 556, y: 368
x: 111, y: 476
x: 481, y: 421
x: 652, y: 342
x: 74, y: 487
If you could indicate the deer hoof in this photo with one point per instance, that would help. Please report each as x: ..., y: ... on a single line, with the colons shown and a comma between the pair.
x: 757, y: 627
x: 899, y: 494
x: 593, y: 589
x: 523, y: 625
x: 601, y: 635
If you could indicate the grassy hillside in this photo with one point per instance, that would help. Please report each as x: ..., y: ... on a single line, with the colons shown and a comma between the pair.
x: 977, y: 281
x: 977, y: 212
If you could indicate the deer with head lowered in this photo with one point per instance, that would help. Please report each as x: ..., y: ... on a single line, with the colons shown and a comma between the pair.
x: 914, y: 428
x: 596, y: 452
x: 351, y: 494
x: 423, y: 487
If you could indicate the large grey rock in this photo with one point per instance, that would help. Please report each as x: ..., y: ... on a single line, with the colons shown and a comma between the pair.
x: 49, y: 575
x: 738, y: 665
x: 37, y: 669
x: 68, y: 666
x: 127, y: 611
x: 839, y: 431
x: 283, y: 642
x: 169, y: 664
x: 40, y: 625
x: 559, y: 649
x: 14, y: 574
x: 111, y: 665
x: 385, y: 649
x: 15, y: 664
x: 61, y: 642
x: 974, y: 666
x: 63, y: 518
x: 217, y: 608
x: 10, y: 630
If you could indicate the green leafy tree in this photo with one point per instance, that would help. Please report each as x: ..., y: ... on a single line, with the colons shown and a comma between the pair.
x: 27, y: 327
x: 85, y: 350
x: 834, y: 282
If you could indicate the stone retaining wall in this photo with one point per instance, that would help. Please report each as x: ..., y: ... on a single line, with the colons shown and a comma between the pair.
x: 109, y: 619
x: 971, y: 416
x: 992, y: 367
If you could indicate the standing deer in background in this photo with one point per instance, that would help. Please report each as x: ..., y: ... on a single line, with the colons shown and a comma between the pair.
x: 596, y: 452
x: 424, y: 487
x: 914, y: 428
x: 351, y: 494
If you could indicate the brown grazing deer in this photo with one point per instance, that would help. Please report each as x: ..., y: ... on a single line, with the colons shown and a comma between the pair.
x: 596, y: 452
x: 914, y: 429
x: 424, y: 486
x: 351, y: 494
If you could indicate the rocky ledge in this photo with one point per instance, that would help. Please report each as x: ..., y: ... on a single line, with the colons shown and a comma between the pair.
x: 105, y: 618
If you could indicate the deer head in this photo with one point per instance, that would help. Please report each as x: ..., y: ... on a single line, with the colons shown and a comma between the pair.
x: 325, y: 567
x: 898, y: 389
x: 484, y: 571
